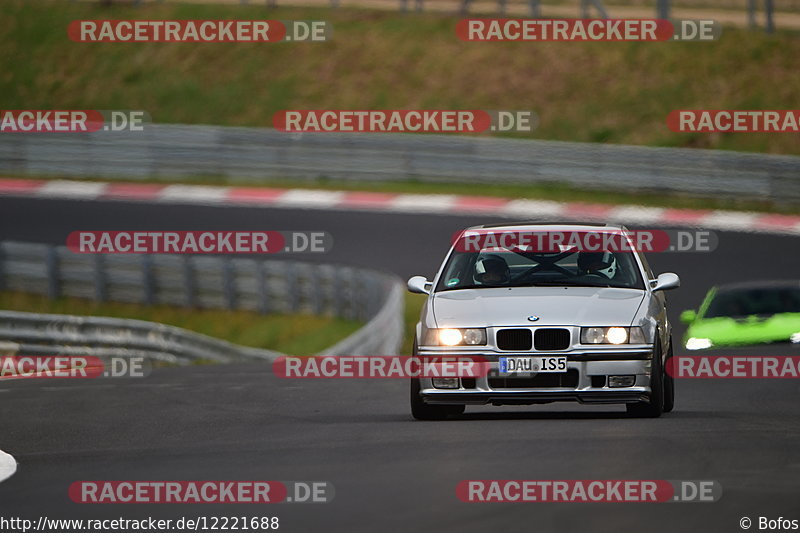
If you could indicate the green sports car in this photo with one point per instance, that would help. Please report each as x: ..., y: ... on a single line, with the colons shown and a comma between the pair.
x: 745, y: 313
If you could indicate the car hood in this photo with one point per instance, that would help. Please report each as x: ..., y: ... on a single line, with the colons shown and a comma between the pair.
x: 555, y: 306
x: 750, y: 330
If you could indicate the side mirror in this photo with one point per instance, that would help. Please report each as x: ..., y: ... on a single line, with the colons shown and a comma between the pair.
x: 419, y: 285
x: 688, y: 316
x: 667, y: 281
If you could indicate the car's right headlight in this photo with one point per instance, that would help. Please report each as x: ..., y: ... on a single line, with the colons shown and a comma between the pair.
x: 456, y: 337
x: 612, y: 335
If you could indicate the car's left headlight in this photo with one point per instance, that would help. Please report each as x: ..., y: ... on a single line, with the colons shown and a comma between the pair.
x: 456, y: 337
x: 612, y: 335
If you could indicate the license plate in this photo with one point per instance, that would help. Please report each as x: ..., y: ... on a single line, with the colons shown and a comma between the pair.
x: 517, y: 365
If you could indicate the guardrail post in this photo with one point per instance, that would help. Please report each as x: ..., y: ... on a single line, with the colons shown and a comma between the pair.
x: 338, y: 293
x: 356, y: 286
x: 53, y: 281
x: 344, y: 298
x: 768, y: 11
x: 189, y: 282
x: 373, y: 298
x: 357, y: 295
x: 100, y: 279
x: 148, y: 280
x: 364, y: 293
x: 228, y: 283
x: 262, y: 287
x: 329, y: 303
x: 293, y: 299
x: 662, y: 9
x: 316, y: 287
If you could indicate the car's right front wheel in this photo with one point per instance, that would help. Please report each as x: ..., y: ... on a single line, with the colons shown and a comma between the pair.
x: 655, y: 406
x: 422, y: 411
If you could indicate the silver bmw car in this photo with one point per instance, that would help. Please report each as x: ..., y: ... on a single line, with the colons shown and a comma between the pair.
x: 574, y: 317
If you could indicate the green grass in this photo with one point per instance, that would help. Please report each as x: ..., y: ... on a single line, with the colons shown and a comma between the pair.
x: 290, y: 334
x: 607, y: 92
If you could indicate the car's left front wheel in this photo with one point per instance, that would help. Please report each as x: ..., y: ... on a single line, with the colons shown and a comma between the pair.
x: 669, y: 382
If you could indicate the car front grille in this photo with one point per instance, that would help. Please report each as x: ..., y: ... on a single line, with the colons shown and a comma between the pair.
x: 545, y: 380
x: 547, y: 339
x: 514, y: 339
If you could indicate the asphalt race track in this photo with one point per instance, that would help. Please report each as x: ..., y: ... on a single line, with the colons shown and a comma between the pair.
x: 390, y: 473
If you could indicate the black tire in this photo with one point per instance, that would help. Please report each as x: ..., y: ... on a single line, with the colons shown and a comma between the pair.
x: 669, y: 383
x: 422, y: 411
x: 655, y: 407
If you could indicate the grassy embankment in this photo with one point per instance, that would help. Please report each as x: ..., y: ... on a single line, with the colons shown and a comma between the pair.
x: 292, y: 334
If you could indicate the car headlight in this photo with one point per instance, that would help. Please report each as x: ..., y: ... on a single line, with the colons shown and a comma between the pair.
x: 450, y: 337
x: 694, y: 343
x: 456, y: 337
x: 612, y: 335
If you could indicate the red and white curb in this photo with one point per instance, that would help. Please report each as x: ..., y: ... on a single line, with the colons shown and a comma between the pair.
x: 447, y: 204
x: 7, y: 466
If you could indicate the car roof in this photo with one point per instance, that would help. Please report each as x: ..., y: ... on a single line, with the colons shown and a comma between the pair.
x: 762, y: 284
x: 538, y: 225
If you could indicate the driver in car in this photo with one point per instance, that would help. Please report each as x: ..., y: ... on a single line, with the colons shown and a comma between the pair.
x: 492, y: 270
x: 598, y: 263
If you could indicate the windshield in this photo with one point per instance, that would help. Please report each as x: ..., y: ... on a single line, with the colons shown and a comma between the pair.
x: 504, y: 268
x: 747, y: 302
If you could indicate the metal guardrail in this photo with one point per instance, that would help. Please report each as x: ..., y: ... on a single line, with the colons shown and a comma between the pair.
x: 772, y: 8
x: 47, y: 334
x: 381, y: 335
x: 217, y: 282
x: 181, y: 152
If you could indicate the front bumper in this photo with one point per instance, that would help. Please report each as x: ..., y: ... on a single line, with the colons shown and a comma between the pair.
x: 585, y: 381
